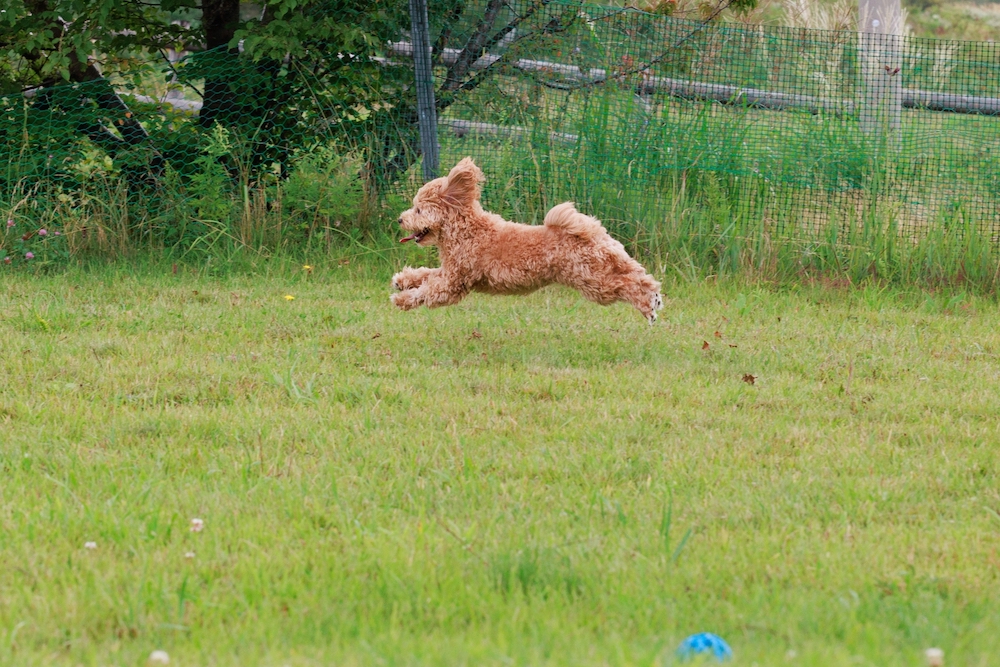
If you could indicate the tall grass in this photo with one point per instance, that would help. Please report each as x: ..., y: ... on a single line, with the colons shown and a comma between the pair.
x: 701, y: 188
x: 692, y: 222
x: 221, y: 208
x: 690, y: 186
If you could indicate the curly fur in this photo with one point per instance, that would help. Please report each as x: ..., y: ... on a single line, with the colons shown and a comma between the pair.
x: 482, y: 252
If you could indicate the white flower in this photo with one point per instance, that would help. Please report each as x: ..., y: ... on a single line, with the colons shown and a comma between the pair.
x: 159, y: 658
x: 189, y: 554
x: 197, y: 525
x: 90, y: 545
x: 935, y: 657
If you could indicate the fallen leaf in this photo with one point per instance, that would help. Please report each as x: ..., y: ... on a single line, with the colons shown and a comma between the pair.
x: 732, y: 345
x: 749, y: 379
x: 377, y: 334
x: 718, y: 335
x: 476, y: 334
x: 704, y: 345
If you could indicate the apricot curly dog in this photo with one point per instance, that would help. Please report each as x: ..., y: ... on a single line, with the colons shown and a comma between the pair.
x: 482, y: 252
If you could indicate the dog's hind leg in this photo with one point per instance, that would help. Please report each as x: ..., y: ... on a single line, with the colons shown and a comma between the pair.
x: 410, y: 278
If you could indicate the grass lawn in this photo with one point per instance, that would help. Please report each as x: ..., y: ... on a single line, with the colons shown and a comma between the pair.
x: 533, y: 480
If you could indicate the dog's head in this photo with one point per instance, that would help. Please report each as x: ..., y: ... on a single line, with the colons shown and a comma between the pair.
x: 440, y: 201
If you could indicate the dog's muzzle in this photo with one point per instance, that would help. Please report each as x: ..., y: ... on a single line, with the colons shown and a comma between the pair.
x: 418, y: 237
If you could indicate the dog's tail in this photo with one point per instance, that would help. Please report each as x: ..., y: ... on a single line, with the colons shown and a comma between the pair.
x: 566, y: 217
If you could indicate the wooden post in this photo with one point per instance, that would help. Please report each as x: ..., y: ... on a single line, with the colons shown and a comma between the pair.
x: 424, y: 79
x: 881, y: 42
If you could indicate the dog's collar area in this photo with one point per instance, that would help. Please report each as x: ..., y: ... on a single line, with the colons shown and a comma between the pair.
x: 418, y: 237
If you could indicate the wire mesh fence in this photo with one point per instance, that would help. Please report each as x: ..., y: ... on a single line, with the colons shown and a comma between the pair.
x: 800, y: 128
x: 801, y: 133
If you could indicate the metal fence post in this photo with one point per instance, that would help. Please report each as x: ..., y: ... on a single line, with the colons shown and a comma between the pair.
x: 424, y: 78
x: 881, y: 42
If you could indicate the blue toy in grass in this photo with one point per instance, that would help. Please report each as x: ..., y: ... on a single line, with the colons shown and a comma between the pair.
x: 704, y: 642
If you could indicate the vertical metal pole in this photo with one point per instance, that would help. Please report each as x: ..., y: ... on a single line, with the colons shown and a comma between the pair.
x: 424, y: 77
x: 881, y: 28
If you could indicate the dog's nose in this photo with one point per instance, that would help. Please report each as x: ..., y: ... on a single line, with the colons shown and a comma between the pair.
x: 400, y: 221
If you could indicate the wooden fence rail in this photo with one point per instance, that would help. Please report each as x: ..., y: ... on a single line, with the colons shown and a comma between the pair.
x: 727, y: 94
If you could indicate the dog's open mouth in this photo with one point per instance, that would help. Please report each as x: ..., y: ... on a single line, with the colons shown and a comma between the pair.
x: 418, y: 237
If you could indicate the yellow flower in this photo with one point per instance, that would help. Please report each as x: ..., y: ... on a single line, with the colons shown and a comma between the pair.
x: 289, y: 297
x: 307, y: 268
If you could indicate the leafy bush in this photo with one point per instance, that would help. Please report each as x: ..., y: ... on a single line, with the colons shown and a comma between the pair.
x: 324, y: 191
x: 220, y: 200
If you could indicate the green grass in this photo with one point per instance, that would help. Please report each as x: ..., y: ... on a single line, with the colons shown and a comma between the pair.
x: 533, y: 480
x: 950, y: 19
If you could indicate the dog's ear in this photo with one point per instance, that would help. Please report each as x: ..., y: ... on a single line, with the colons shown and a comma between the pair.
x: 463, y: 182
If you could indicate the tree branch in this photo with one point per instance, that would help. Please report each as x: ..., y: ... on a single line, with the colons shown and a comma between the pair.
x: 449, y: 23
x: 446, y: 96
x: 617, y: 76
x: 472, y: 49
x: 668, y: 52
x: 510, y: 27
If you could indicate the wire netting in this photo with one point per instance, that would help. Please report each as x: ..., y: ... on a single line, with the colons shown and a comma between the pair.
x: 802, y: 129
x: 628, y: 113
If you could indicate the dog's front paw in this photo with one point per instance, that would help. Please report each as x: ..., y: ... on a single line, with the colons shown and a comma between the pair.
x: 406, y: 300
x: 410, y: 278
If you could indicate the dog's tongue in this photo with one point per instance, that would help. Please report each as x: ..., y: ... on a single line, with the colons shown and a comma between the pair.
x: 408, y: 238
